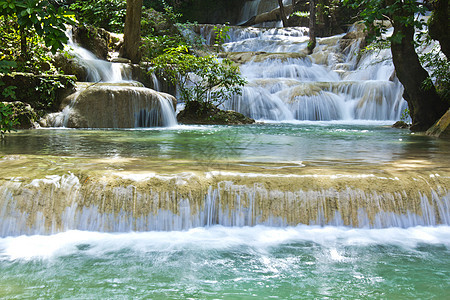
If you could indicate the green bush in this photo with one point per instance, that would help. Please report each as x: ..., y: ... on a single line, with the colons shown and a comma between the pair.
x: 7, y: 120
x: 202, y: 79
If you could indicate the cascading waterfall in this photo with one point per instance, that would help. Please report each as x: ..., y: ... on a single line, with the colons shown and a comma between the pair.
x: 97, y: 69
x: 180, y: 202
x: 112, y: 100
x: 334, y: 83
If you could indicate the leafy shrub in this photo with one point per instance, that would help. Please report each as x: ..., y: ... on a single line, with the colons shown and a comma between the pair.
x: 7, y: 120
x: 202, y: 79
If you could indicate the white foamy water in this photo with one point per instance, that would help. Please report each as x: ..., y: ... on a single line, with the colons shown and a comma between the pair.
x: 215, y: 238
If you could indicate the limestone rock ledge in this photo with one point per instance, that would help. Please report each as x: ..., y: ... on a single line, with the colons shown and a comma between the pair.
x: 442, y: 127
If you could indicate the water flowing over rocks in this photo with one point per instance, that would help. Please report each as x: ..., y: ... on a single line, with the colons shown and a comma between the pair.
x: 122, y: 202
x: 105, y: 105
x: 336, y: 82
x: 109, y: 98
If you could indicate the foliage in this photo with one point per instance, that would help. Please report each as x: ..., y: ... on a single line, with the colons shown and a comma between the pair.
x: 200, y: 79
x: 153, y: 46
x: 373, y: 11
x: 221, y: 35
x: 47, y: 89
x: 40, y: 17
x: 301, y: 14
x: 7, y: 120
x: 439, y: 71
x: 107, y: 14
x: 30, y: 29
x: 405, y: 117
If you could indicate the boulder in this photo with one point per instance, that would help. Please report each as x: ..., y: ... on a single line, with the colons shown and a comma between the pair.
x: 208, y: 114
x: 96, y: 40
x: 114, y: 105
x: 442, y: 127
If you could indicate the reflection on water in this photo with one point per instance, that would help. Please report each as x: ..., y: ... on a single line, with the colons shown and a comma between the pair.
x: 325, y: 142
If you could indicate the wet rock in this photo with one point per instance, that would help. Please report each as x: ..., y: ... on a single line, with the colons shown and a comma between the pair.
x: 208, y: 114
x: 70, y: 66
x: 401, y: 125
x: 96, y: 40
x: 442, y: 127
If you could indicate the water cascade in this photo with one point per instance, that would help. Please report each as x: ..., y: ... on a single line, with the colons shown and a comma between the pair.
x: 334, y: 83
x: 110, y: 99
x: 325, y: 200
x: 60, y: 203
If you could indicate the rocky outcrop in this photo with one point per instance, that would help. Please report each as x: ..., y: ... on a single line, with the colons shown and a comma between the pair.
x: 114, y: 105
x: 208, y: 114
x: 442, y: 127
x: 96, y: 40
x: 42, y: 92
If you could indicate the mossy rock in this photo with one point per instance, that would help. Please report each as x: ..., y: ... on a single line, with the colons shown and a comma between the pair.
x: 96, y: 40
x: 401, y: 125
x: 208, y: 114
x: 42, y: 92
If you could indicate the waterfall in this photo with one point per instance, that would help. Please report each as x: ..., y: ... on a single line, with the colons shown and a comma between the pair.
x: 179, y: 202
x: 336, y: 82
x: 97, y: 69
x: 113, y: 101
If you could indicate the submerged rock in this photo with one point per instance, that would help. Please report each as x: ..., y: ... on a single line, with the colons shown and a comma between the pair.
x: 401, y: 125
x: 197, y: 113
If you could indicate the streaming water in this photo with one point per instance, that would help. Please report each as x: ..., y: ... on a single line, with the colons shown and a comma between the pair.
x: 229, y: 263
x: 323, y: 200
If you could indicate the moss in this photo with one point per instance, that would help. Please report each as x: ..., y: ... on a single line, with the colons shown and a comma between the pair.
x: 208, y: 114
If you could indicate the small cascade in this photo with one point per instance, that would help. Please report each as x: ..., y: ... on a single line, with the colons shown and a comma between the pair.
x: 179, y: 202
x: 113, y: 100
x: 336, y: 82
x: 126, y: 105
x: 97, y: 69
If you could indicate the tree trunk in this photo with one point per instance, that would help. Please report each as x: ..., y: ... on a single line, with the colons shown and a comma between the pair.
x: 312, y: 26
x: 425, y: 105
x: 439, y: 25
x: 132, y: 31
x: 283, y: 13
x: 23, y: 45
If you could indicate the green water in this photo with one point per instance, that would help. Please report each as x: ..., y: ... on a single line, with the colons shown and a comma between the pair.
x: 303, y: 262
x: 318, y: 141
x: 230, y: 263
